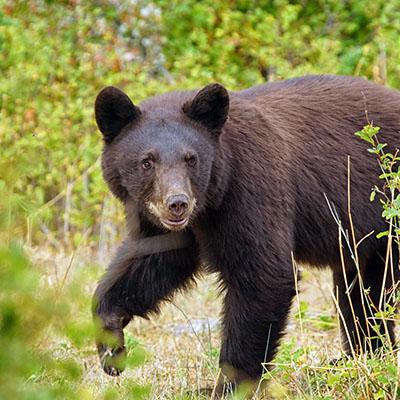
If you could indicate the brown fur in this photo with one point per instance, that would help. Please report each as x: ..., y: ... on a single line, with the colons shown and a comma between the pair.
x: 270, y: 164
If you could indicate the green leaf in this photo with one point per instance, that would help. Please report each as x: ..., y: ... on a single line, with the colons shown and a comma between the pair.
x: 382, y: 234
x: 391, y: 212
x: 372, y: 196
x: 381, y: 146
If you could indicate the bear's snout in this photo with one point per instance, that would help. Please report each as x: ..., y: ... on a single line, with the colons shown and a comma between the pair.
x: 177, y: 204
x: 178, y: 210
x: 173, y: 202
x: 175, y: 212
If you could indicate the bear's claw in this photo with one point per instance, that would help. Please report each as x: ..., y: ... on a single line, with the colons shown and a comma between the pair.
x: 112, y: 360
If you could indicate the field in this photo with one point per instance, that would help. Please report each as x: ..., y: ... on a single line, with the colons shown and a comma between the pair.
x: 59, y: 224
x: 175, y: 355
x: 182, y: 342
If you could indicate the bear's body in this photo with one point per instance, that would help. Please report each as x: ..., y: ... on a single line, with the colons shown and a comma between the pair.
x: 264, y: 160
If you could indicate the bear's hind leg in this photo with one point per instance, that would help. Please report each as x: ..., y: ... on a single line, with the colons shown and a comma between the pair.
x: 360, y: 302
x: 381, y: 283
x: 352, y: 314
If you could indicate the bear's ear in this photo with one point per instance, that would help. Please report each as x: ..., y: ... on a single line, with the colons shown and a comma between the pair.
x: 210, y: 106
x: 114, y: 110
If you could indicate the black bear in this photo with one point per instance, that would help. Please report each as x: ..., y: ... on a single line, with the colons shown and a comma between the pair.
x: 240, y: 180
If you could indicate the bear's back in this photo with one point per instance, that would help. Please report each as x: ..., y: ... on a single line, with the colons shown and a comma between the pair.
x: 309, y: 125
x: 317, y: 85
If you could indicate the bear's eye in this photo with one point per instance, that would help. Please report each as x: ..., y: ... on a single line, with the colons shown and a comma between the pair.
x: 147, y: 164
x: 191, y: 160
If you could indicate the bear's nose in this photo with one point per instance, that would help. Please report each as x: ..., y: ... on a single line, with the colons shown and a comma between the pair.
x: 178, y: 204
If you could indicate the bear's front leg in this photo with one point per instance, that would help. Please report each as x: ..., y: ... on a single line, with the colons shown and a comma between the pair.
x: 136, y: 287
x: 255, y: 312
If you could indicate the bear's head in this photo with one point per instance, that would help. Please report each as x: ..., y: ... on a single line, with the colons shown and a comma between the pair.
x: 161, y: 155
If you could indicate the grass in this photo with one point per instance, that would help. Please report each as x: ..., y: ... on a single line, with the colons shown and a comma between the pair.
x: 181, y: 344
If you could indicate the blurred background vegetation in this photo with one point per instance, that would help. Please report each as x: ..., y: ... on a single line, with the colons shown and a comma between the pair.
x: 54, y: 58
x: 56, y: 55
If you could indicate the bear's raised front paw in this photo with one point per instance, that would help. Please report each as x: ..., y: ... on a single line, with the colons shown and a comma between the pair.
x: 112, y: 360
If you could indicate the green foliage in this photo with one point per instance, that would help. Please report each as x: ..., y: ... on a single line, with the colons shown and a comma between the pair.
x: 56, y: 55
x: 56, y: 58
x: 45, y: 332
x: 389, y: 192
x: 244, y: 42
x: 26, y: 315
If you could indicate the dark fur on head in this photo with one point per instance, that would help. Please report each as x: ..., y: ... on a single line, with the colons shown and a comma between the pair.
x: 168, y: 140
